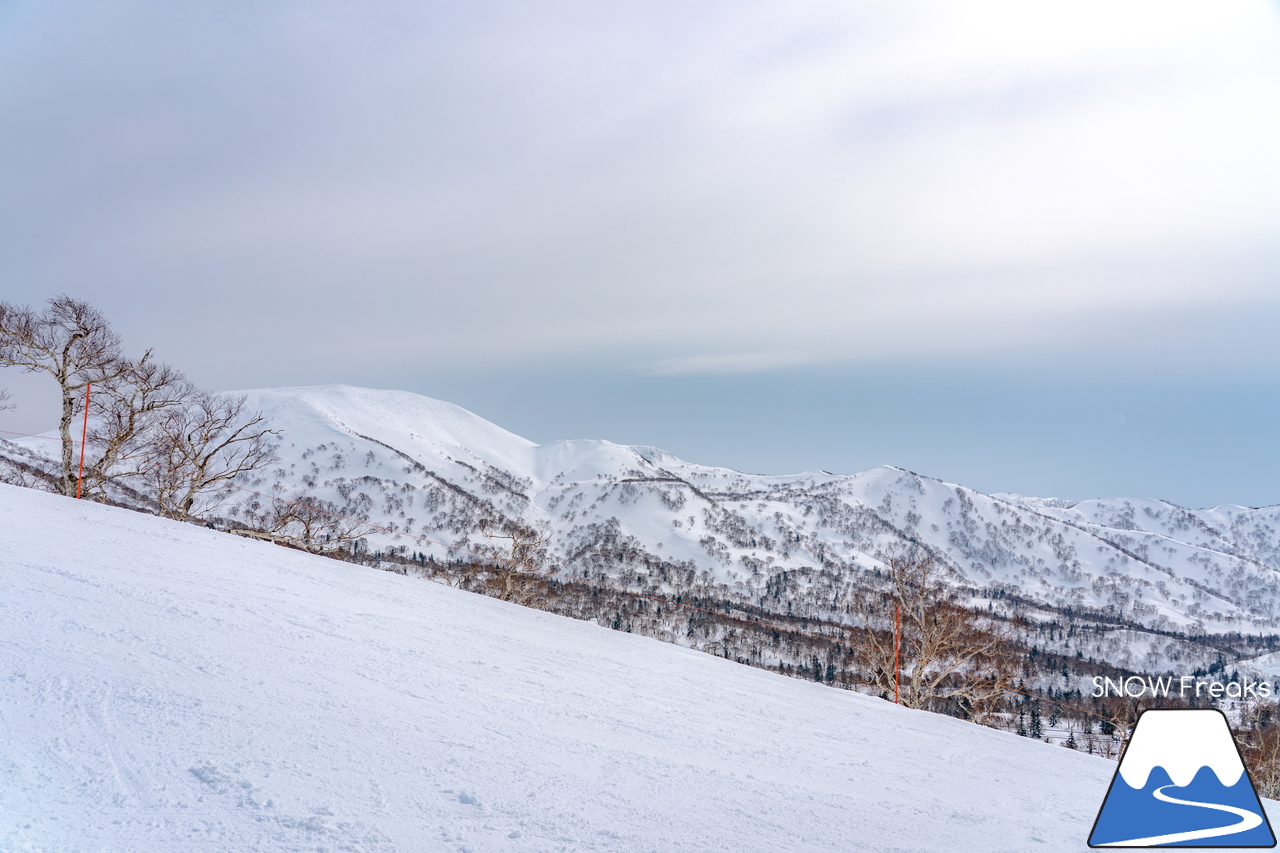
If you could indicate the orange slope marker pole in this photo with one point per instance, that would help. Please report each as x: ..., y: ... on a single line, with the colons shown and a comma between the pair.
x: 84, y: 434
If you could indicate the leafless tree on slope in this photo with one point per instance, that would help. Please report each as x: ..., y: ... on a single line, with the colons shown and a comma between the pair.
x: 947, y: 653
x: 516, y: 573
x: 73, y: 343
x: 199, y: 449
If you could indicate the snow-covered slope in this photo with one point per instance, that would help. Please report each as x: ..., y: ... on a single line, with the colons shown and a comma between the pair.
x: 168, y: 687
x: 412, y: 423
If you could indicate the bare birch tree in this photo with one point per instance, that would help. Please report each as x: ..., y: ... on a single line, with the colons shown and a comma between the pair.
x: 203, y: 446
x: 302, y: 521
x: 125, y: 414
x: 73, y: 343
x: 517, y: 574
x: 947, y: 653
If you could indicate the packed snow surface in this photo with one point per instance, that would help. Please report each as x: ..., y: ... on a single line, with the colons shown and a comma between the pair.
x: 168, y: 687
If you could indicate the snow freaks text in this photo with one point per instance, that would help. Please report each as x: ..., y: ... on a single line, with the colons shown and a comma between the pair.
x: 1187, y: 686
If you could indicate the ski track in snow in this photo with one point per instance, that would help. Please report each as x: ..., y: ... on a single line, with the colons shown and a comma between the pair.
x: 165, y: 687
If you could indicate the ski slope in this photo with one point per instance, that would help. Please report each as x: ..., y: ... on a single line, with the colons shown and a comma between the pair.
x: 167, y: 687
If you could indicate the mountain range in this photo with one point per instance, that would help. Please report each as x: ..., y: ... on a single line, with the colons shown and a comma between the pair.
x: 1152, y: 579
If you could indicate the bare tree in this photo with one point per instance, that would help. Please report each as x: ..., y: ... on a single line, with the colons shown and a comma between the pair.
x: 126, y: 414
x: 947, y: 653
x: 1259, y: 740
x: 517, y: 574
x: 203, y: 446
x: 303, y: 521
x: 74, y: 344
x: 4, y: 400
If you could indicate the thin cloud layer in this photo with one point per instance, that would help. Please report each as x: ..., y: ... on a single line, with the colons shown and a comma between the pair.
x: 725, y: 363
x: 667, y: 188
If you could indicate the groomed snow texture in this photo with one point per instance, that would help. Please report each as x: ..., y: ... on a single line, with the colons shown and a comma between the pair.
x: 167, y: 687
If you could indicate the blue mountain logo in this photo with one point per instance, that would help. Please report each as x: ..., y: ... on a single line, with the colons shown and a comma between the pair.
x: 1181, y: 783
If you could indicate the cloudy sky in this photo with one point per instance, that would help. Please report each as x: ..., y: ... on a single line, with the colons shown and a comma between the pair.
x: 1025, y: 247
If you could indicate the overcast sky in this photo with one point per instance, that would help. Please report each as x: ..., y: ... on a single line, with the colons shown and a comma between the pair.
x: 1028, y: 247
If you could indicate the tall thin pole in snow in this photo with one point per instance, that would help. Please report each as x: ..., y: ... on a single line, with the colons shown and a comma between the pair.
x: 84, y: 433
x: 897, y: 646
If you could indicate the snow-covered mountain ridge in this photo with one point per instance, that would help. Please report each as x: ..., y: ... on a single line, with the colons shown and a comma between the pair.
x: 642, y: 519
x: 431, y: 469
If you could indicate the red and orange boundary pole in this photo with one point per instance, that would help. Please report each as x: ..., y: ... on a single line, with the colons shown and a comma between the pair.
x: 84, y: 435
